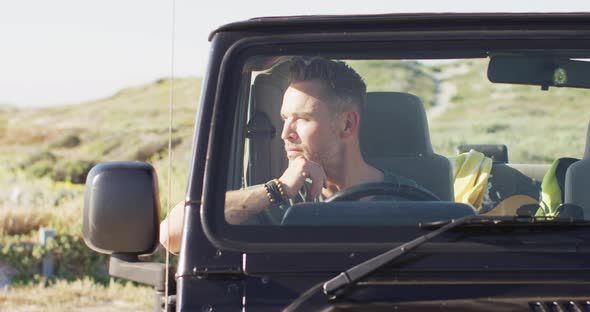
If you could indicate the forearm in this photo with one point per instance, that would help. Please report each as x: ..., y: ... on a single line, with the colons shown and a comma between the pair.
x: 239, y: 206
x: 243, y: 204
x: 171, y: 228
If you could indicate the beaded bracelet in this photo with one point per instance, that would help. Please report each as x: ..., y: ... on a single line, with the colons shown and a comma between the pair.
x: 281, y: 191
x: 269, y: 193
x: 274, y: 191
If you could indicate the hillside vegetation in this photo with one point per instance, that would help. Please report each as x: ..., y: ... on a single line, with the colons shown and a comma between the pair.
x: 47, y: 152
x: 537, y: 126
x: 407, y: 76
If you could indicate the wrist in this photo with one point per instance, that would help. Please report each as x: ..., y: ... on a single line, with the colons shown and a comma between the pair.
x: 275, y: 192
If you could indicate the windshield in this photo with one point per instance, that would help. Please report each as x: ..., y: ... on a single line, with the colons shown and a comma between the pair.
x: 358, y: 139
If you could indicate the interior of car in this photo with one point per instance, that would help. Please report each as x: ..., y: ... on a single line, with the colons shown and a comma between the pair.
x: 396, y: 136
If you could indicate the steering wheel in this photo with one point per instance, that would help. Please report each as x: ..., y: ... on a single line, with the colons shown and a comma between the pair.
x: 405, y: 191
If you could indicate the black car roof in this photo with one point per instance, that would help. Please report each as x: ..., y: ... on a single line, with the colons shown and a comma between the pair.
x: 408, y: 21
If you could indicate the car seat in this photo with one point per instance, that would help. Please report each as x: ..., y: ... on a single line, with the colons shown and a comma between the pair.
x: 394, y: 136
x: 577, y: 180
x: 266, y: 151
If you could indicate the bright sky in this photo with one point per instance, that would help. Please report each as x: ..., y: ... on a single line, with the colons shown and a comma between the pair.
x: 61, y: 52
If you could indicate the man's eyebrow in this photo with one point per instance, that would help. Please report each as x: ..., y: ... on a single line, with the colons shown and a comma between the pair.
x: 297, y: 114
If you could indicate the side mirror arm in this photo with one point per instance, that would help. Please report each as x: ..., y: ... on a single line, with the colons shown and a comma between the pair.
x: 130, y: 268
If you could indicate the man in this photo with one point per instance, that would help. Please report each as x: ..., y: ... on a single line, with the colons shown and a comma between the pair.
x: 322, y: 109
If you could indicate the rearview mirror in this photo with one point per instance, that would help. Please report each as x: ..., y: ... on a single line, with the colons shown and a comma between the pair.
x: 540, y: 71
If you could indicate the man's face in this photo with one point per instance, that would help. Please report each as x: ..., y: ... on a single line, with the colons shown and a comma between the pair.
x: 310, y: 126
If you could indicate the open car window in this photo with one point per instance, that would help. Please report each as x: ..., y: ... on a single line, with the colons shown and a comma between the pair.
x: 438, y: 122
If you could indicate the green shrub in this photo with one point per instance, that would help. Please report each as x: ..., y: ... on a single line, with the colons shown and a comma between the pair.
x: 72, y: 259
x: 153, y: 149
x: 457, y: 98
x: 148, y: 149
x: 19, y: 256
x: 41, y: 168
x: 102, y: 147
x: 496, y: 127
x: 68, y: 141
x: 39, y: 164
x: 44, y: 155
x: 74, y: 171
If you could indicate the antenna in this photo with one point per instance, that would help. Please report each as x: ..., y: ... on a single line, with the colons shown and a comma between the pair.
x: 171, y: 110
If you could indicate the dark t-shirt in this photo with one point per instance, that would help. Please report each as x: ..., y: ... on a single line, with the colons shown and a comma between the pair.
x: 387, y: 177
x: 277, y: 212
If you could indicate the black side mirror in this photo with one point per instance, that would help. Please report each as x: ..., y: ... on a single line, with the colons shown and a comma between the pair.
x: 122, y: 208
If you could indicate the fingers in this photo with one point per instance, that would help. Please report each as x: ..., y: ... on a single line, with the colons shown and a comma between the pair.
x: 316, y: 187
x: 318, y: 178
x: 293, y: 177
x: 298, y: 171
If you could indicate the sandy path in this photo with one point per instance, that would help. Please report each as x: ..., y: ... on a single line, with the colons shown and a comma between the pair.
x: 444, y: 90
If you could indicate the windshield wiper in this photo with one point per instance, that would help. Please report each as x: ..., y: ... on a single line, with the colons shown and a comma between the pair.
x: 339, y: 284
x: 540, y: 221
x: 336, y: 286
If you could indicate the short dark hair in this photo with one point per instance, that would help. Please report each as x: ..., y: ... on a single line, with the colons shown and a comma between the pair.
x: 341, y: 81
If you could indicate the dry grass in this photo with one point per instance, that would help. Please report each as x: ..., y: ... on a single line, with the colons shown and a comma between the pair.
x: 23, y: 221
x: 28, y: 205
x: 81, y: 295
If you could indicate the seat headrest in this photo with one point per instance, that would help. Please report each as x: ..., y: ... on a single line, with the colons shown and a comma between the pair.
x: 587, y: 150
x: 497, y: 152
x: 394, y: 124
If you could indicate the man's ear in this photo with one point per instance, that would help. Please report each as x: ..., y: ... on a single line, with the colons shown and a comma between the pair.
x: 351, y: 122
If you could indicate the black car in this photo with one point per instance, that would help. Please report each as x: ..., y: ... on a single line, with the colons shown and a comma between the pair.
x: 486, y: 113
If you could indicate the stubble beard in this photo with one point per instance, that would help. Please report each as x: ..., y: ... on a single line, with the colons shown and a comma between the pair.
x: 322, y: 157
x: 328, y: 157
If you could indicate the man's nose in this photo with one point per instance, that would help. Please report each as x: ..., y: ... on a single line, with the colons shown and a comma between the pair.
x: 288, y: 133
